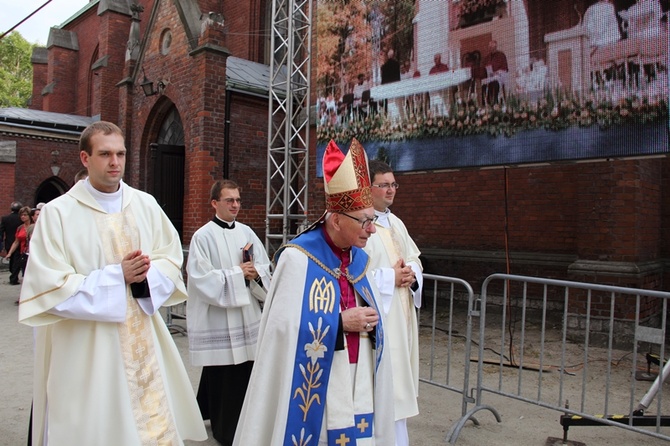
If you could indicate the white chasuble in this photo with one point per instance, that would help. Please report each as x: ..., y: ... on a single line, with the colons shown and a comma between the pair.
x: 145, y: 382
x: 105, y: 383
x: 385, y: 248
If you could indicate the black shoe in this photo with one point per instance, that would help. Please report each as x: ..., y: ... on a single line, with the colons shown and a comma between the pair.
x: 14, y: 283
x: 16, y: 302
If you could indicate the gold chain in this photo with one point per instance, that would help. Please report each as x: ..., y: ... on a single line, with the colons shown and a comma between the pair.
x: 337, y: 272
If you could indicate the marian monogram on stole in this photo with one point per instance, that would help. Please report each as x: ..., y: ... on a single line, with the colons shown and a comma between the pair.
x: 322, y: 296
x: 315, y: 352
x: 321, y: 300
x: 314, y: 367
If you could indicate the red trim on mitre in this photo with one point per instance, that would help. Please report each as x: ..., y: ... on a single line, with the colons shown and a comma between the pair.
x: 360, y: 163
x: 359, y: 198
x: 332, y: 159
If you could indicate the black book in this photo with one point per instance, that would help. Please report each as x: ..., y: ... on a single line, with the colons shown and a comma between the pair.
x: 248, y: 253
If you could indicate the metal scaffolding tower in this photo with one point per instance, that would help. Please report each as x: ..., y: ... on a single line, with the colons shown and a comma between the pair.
x: 288, y: 123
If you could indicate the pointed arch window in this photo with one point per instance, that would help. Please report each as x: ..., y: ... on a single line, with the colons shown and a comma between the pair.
x: 172, y: 131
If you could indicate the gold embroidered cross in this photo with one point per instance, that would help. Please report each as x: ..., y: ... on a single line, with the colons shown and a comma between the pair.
x: 343, y: 440
x: 363, y: 425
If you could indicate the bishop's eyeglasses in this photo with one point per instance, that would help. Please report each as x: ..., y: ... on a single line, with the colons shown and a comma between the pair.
x: 365, y: 222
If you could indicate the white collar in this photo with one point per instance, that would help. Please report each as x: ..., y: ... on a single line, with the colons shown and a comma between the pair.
x: 110, y: 202
x: 383, y: 218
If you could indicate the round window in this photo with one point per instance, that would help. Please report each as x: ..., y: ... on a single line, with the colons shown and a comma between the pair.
x: 166, y: 42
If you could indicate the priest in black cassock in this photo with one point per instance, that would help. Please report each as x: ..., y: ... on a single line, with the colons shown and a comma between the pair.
x: 228, y: 272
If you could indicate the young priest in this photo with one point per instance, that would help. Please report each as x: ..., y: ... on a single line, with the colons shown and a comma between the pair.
x: 228, y: 271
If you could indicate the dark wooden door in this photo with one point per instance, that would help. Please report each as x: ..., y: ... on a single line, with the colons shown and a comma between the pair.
x: 169, y: 182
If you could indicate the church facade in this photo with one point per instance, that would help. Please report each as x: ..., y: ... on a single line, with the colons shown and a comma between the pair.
x: 204, y: 118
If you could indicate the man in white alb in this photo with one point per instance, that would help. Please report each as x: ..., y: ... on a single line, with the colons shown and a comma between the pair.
x: 394, y: 260
x: 105, y: 258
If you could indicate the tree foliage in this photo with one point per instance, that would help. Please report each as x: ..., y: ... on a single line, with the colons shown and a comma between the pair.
x: 16, y: 71
x: 352, y: 35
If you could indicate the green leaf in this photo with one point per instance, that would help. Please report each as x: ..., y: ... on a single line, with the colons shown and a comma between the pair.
x: 16, y: 71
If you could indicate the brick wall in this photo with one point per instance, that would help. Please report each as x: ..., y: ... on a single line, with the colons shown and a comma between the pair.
x: 600, y: 210
x: 88, y: 31
x: 196, y: 87
x: 62, y: 98
x: 7, y: 182
x: 248, y: 157
x: 39, y: 82
x: 245, y: 27
x: 596, y: 221
x: 33, y: 164
x: 114, y: 29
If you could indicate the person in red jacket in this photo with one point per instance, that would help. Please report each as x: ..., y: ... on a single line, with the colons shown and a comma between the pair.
x: 496, y: 67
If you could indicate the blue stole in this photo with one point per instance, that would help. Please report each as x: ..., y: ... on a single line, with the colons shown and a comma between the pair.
x: 317, y: 336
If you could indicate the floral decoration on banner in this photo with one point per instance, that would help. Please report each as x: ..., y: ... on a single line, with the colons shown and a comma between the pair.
x: 475, y: 6
x: 554, y: 111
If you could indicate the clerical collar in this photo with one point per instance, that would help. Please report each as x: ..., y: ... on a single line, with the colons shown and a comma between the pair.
x: 110, y: 202
x: 223, y: 224
x: 383, y: 218
x: 343, y: 254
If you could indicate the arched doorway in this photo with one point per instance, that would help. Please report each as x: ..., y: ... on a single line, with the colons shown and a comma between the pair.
x: 50, y: 188
x: 168, y: 156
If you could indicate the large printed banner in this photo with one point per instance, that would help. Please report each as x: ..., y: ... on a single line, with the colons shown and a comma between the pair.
x: 438, y: 84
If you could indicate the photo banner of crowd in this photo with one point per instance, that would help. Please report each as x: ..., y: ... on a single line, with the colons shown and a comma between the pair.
x: 428, y: 84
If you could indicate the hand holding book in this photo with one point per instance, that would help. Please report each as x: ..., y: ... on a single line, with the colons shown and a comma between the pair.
x: 248, y: 253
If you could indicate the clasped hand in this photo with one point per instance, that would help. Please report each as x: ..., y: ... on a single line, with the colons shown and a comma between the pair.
x: 359, y: 319
x: 135, y: 266
x: 404, y: 274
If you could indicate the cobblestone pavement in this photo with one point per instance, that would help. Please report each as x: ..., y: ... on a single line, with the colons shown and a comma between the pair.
x: 16, y: 359
x: 522, y: 424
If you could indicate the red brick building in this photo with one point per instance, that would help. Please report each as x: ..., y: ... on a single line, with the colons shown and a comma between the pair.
x: 596, y: 221
x: 207, y: 120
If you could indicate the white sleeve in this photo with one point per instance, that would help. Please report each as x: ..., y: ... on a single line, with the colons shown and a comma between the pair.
x: 419, y: 280
x: 263, y: 268
x: 101, y: 297
x: 161, y: 289
x: 385, y: 281
x: 220, y: 287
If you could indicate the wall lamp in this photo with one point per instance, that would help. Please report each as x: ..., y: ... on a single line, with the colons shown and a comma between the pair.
x: 148, y: 86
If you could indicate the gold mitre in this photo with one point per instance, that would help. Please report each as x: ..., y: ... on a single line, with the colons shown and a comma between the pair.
x: 346, y: 178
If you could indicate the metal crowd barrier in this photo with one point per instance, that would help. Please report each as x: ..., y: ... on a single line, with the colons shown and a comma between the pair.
x: 448, y: 292
x: 581, y: 389
x: 178, y: 311
x: 582, y: 357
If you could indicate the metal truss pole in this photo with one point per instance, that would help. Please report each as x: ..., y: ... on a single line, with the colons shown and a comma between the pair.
x: 288, y: 123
